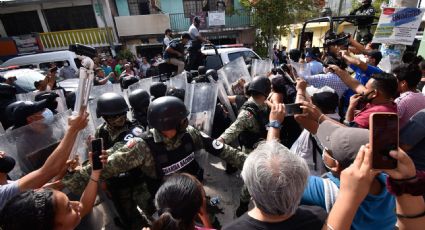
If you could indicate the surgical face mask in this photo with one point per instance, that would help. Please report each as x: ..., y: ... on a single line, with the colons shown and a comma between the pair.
x: 324, y: 161
x: 7, y: 163
x: 117, y: 121
x: 48, y: 116
x: 65, y: 64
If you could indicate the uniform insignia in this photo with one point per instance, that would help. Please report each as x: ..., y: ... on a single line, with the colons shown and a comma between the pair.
x: 217, y: 144
x: 131, y: 143
x: 137, y: 131
x: 204, y: 134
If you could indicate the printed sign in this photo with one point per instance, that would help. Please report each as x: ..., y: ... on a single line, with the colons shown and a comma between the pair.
x: 398, y: 26
x: 216, y: 18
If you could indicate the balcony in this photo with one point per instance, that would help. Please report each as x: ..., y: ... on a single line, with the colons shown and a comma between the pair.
x: 240, y: 19
x: 60, y: 40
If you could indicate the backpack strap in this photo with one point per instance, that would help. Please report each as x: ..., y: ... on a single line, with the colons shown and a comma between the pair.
x: 316, y: 149
x: 331, y: 193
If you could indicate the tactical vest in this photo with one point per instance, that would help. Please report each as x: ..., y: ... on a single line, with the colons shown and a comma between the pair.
x: 182, y: 159
x: 248, y: 138
x: 131, y: 132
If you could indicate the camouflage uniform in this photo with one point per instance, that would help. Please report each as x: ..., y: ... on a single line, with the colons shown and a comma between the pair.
x: 127, y: 189
x: 245, y: 122
x: 137, y: 154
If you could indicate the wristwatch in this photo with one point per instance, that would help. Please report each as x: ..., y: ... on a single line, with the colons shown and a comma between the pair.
x: 274, y: 124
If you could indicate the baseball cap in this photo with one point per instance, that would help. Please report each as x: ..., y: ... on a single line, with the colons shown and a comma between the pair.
x: 310, y: 55
x: 342, y: 142
x: 375, y: 54
x: 26, y: 109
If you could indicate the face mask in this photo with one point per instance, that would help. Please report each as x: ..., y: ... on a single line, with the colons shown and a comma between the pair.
x: 48, y: 116
x: 324, y: 162
x: 65, y: 64
x: 365, y: 98
x: 7, y: 163
x: 117, y: 121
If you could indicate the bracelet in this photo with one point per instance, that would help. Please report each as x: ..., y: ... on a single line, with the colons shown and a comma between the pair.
x: 411, y: 216
x: 404, y: 180
x: 320, y: 117
x: 91, y: 178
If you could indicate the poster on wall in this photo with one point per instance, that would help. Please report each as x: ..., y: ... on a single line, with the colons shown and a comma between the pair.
x: 216, y: 18
x: 28, y: 43
x: 398, y: 26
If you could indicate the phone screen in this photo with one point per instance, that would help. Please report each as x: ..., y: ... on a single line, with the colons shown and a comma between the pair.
x: 96, y: 148
x: 384, y: 133
x: 292, y: 109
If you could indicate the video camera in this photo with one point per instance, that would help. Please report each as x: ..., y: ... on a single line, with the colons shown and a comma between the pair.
x: 341, y: 39
x: 83, y: 50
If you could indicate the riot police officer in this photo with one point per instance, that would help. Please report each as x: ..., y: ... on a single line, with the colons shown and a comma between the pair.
x: 250, y: 125
x: 167, y: 148
x: 7, y: 96
x: 126, y: 189
x: 157, y: 90
x: 139, y: 101
x: 364, y: 35
x: 51, y: 100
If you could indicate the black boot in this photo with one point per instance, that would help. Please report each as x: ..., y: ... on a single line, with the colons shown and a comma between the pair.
x: 243, y: 207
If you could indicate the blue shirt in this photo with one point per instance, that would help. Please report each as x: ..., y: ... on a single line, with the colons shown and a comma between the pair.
x: 327, y: 79
x: 375, y: 212
x: 315, y: 67
x: 107, y: 69
x: 363, y: 77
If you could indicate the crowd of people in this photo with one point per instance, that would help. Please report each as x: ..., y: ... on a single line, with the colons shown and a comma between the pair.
x: 302, y: 169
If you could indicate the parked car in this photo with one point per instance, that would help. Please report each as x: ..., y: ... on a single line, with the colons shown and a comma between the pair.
x: 25, y: 78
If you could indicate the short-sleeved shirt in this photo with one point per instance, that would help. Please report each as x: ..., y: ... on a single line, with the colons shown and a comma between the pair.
x: 413, y: 134
x: 304, y: 218
x: 193, y: 32
x: 315, y: 67
x: 362, y: 118
x: 118, y: 69
x: 375, y: 212
x: 363, y: 77
x: 176, y: 45
x: 107, y: 69
x: 328, y: 79
x: 408, y: 104
x: 8, y: 191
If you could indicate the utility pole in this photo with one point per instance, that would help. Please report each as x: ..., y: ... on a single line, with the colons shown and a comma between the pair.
x: 108, y: 35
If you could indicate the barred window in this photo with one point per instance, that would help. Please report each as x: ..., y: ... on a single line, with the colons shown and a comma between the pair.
x: 138, y: 7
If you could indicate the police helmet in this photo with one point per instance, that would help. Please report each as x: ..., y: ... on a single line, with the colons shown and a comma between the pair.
x: 261, y: 85
x: 202, y: 70
x: 127, y: 81
x: 166, y: 113
x: 51, y: 99
x: 139, y: 99
x: 158, y: 89
x: 111, y: 104
x: 212, y: 73
x: 179, y: 93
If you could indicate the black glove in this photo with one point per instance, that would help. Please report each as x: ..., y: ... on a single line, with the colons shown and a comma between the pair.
x: 212, y: 146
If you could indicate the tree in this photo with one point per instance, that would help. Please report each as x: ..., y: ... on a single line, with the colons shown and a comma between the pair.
x: 273, y: 17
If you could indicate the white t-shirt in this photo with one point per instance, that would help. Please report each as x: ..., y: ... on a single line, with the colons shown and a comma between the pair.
x: 8, y: 191
x: 193, y: 32
x: 167, y: 40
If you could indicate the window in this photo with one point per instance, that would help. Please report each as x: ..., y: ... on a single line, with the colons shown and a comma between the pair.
x: 70, y: 18
x: 21, y: 23
x: 192, y: 7
x: 213, y: 62
x: 234, y: 56
x: 247, y: 56
x: 138, y: 7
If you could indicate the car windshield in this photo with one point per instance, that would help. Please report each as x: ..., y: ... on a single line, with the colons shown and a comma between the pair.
x: 25, y: 78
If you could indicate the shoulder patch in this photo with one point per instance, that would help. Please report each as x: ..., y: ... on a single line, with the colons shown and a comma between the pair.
x: 217, y: 145
x: 137, y: 131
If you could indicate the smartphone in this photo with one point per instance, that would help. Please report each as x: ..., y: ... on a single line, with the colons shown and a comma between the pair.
x: 292, y: 109
x: 383, y: 138
x: 96, y: 148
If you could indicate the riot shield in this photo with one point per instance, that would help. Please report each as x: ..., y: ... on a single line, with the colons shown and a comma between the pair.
x: 203, y: 99
x: 231, y: 73
x: 261, y: 67
x: 1, y: 129
x: 85, y: 85
x: 32, y: 144
x: 143, y: 84
x: 62, y: 107
x: 107, y: 88
x: 302, y: 69
x: 179, y: 81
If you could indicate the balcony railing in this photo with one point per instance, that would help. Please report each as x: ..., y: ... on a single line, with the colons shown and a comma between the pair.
x: 179, y: 22
x: 96, y: 37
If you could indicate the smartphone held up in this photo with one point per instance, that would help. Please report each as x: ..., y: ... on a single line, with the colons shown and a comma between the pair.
x: 384, y: 131
x: 96, y: 148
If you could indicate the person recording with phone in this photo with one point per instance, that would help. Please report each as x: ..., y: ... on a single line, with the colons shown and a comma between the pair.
x: 47, y: 209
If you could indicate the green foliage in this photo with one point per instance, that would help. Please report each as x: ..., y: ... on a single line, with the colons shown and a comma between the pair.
x: 375, y: 3
x: 273, y: 17
x: 125, y: 54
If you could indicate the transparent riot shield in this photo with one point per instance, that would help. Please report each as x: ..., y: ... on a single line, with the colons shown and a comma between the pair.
x: 1, y: 129
x: 261, y: 67
x: 143, y: 84
x: 203, y: 99
x: 107, y: 88
x: 179, y: 81
x: 32, y: 144
x: 62, y: 107
x: 302, y: 70
x: 232, y: 74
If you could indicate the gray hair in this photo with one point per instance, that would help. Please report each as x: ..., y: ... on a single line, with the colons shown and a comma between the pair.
x: 275, y: 178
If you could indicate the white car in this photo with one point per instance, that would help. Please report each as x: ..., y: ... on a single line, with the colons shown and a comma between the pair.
x: 226, y: 54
